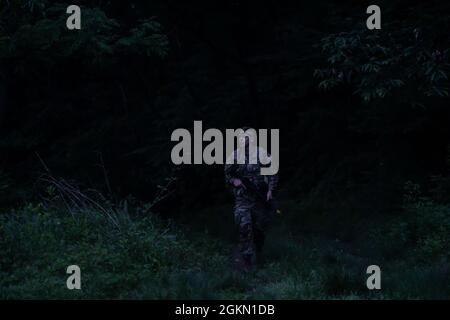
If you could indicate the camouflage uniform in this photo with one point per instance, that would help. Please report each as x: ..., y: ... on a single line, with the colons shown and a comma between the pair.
x: 250, y: 213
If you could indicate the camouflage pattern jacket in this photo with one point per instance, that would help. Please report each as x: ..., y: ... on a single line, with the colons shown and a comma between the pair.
x: 251, y: 172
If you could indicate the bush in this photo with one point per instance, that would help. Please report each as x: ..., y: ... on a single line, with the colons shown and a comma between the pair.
x: 116, y: 252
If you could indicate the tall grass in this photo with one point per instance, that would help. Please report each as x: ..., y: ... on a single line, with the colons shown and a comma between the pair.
x: 126, y: 252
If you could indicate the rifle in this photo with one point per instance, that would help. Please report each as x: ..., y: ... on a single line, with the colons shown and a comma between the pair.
x: 271, y: 205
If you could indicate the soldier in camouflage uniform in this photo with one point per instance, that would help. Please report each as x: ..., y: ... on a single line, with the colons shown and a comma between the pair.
x: 251, y: 214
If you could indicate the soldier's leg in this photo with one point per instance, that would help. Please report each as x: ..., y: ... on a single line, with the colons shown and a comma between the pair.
x: 243, y: 219
x: 261, y: 221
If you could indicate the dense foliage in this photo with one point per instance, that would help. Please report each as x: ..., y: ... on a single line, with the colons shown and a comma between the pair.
x: 126, y: 253
x: 399, y: 56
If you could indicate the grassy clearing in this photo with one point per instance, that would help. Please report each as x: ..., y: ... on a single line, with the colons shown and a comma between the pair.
x: 139, y: 256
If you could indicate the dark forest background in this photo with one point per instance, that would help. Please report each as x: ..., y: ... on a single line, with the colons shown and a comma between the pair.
x: 364, y: 133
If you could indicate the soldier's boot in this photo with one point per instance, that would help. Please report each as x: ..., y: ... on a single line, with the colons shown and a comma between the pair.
x: 246, y: 244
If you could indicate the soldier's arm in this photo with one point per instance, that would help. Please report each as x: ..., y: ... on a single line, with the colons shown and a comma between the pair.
x: 230, y: 170
x: 230, y: 173
x: 272, y: 181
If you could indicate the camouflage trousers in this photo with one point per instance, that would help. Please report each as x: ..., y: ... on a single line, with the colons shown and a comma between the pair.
x: 252, y: 219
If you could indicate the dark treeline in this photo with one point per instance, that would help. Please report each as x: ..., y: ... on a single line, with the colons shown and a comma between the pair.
x: 105, y: 99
